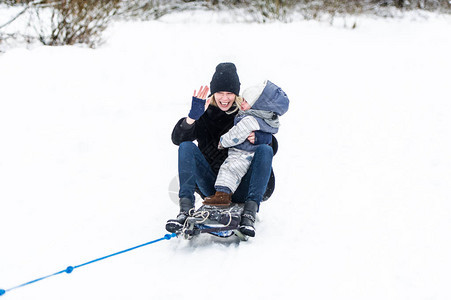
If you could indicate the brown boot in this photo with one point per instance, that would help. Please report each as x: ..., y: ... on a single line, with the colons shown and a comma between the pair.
x: 218, y: 199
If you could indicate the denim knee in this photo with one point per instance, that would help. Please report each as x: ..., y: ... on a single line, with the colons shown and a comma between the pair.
x: 184, y: 146
x: 264, y: 150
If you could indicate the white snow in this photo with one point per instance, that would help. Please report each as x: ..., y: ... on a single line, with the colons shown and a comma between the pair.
x: 362, y: 204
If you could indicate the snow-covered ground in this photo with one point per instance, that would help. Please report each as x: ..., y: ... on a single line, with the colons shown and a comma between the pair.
x: 362, y: 207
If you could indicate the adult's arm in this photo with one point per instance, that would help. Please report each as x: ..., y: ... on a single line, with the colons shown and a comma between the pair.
x: 183, y: 132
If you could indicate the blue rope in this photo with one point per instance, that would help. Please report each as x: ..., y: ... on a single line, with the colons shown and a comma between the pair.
x: 69, y: 269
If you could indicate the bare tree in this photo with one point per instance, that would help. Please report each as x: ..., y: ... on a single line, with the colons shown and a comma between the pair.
x: 400, y: 3
x: 69, y: 22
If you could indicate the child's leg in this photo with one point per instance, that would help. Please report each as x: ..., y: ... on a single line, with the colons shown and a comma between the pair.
x: 232, y: 170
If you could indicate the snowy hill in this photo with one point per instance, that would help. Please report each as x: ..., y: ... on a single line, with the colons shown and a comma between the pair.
x: 362, y: 203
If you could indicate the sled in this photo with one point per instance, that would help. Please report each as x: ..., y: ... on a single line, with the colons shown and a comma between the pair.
x: 219, y: 221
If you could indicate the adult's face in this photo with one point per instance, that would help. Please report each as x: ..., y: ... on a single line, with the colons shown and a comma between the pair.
x: 224, y: 100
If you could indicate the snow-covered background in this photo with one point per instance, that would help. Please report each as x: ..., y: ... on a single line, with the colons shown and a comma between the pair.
x: 362, y: 207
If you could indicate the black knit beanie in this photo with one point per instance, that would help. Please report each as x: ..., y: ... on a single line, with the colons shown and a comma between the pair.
x: 225, y: 79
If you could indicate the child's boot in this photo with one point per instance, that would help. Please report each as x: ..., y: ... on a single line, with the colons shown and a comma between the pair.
x: 219, y: 199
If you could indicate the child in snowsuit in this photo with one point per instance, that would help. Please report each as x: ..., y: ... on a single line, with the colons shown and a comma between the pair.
x: 260, y: 110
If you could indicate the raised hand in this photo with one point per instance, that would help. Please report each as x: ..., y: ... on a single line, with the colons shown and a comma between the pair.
x: 198, y: 104
x: 203, y: 91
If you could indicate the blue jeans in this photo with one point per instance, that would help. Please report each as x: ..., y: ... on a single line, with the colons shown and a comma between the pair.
x: 194, y: 171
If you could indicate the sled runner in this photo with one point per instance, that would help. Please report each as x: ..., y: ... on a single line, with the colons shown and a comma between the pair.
x: 222, y: 222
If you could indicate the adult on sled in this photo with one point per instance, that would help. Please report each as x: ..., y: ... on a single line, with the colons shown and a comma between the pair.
x: 198, y: 166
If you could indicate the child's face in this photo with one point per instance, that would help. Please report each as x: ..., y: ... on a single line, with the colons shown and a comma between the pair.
x: 244, y: 105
